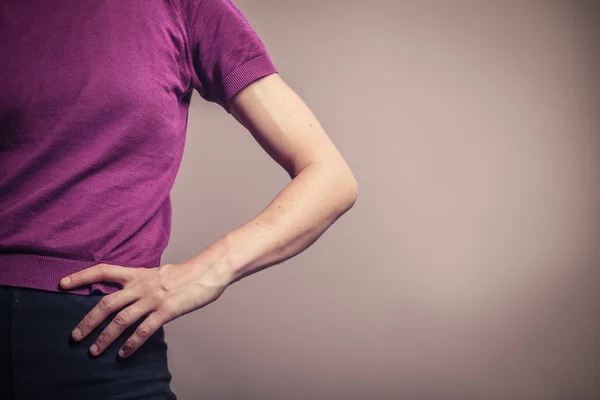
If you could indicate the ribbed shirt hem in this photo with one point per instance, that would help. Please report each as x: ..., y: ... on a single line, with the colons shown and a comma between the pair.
x: 45, y: 272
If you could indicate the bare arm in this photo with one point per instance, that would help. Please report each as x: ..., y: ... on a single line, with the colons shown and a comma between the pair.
x: 322, y: 187
x: 321, y: 190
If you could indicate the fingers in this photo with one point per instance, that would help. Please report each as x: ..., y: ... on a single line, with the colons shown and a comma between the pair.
x: 148, y: 298
x: 124, y: 320
x: 106, y: 306
x: 97, y: 273
x: 146, y: 329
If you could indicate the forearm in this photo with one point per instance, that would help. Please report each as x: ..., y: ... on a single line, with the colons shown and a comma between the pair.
x: 294, y: 220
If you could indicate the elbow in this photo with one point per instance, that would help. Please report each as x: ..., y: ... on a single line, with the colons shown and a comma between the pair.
x: 353, y: 190
x: 349, y: 190
x: 341, y: 184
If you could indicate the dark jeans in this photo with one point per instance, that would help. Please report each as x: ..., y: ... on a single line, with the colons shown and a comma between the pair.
x: 40, y: 361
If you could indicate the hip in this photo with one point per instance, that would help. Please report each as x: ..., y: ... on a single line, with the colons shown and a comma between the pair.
x: 39, y: 359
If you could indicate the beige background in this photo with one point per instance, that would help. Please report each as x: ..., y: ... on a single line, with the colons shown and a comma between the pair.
x: 468, y: 267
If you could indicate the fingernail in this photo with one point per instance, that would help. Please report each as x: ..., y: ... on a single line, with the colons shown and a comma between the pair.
x: 94, y: 348
x: 65, y: 281
x: 76, y: 334
x: 122, y: 353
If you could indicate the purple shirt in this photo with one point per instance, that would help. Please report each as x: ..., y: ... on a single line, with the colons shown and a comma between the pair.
x: 94, y: 99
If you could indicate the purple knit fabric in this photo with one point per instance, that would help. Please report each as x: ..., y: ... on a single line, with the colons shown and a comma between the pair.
x: 94, y: 99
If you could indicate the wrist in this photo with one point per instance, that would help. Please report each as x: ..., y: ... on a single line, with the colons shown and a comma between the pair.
x: 222, y: 272
x: 219, y: 263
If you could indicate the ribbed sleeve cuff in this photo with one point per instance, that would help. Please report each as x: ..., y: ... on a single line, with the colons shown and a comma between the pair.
x: 245, y: 74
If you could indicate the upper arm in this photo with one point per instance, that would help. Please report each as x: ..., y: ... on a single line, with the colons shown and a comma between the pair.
x: 283, y: 125
x: 231, y: 67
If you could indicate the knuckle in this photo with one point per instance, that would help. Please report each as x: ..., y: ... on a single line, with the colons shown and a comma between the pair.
x: 145, y: 286
x: 104, y: 269
x: 156, y: 296
x: 122, y: 319
x: 102, y: 338
x: 169, y: 310
x: 107, y: 302
x: 87, y: 322
x: 144, y: 331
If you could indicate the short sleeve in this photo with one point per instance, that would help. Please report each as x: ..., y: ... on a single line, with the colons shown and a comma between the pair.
x: 226, y: 52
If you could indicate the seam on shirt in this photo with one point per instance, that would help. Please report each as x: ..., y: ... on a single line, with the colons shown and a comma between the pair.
x: 186, y: 44
x: 206, y: 90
